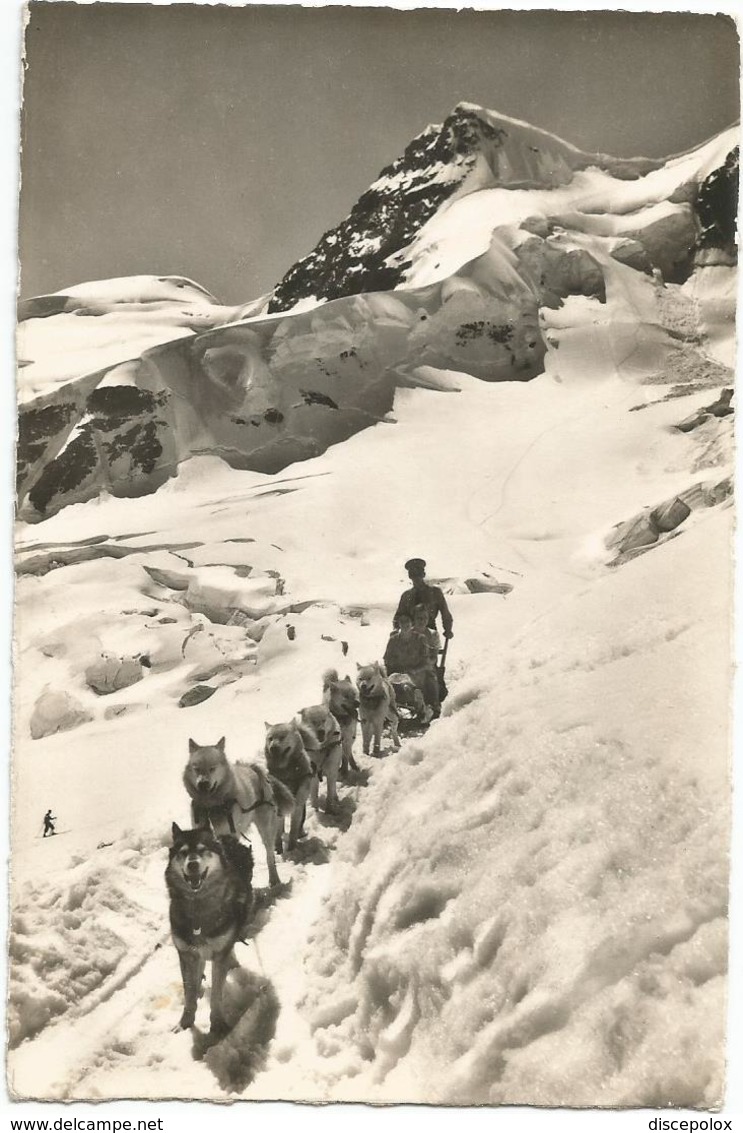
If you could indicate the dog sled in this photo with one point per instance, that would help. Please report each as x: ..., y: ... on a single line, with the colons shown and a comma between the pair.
x: 413, y: 712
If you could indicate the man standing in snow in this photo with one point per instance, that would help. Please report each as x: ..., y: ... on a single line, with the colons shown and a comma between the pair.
x: 49, y: 820
x: 422, y: 593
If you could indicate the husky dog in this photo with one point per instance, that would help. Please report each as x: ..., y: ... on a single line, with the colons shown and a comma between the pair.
x: 323, y: 745
x: 342, y: 700
x: 287, y: 761
x: 211, y: 898
x: 230, y: 797
x: 377, y: 705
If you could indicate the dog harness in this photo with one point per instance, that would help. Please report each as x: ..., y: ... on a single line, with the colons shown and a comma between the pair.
x: 323, y: 752
x: 376, y: 698
x: 242, y: 901
x: 346, y: 717
x: 226, y: 809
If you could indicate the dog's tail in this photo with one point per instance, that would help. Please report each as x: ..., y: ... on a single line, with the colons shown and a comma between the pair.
x: 282, y: 796
x: 272, y: 788
x: 330, y: 676
x: 308, y: 737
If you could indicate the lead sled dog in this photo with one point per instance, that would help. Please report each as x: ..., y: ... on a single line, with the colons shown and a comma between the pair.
x: 209, y: 881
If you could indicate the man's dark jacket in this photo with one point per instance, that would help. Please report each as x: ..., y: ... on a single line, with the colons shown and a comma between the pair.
x: 432, y: 598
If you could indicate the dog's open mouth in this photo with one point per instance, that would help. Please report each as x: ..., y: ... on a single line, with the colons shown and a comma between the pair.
x: 196, y: 880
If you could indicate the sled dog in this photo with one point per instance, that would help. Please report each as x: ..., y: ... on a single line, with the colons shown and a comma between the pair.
x: 288, y: 762
x: 324, y: 748
x: 342, y: 700
x: 211, y: 899
x: 230, y: 797
x: 377, y: 705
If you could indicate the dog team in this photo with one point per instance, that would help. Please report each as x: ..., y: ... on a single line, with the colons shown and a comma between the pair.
x: 209, y: 872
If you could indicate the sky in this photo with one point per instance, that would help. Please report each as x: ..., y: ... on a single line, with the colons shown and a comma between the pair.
x: 220, y: 143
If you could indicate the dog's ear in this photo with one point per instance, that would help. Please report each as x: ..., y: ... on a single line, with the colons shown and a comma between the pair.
x: 177, y: 832
x: 192, y: 746
x: 358, y: 666
x: 347, y: 678
x: 220, y: 745
x: 268, y: 726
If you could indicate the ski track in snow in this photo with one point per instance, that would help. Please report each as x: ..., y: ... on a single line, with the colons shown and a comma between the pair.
x: 125, y: 1031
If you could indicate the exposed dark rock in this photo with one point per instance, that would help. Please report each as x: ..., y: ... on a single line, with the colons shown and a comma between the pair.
x: 685, y: 194
x: 486, y: 584
x: 42, y: 307
x: 110, y: 673
x: 640, y: 531
x: 41, y: 432
x: 69, y: 476
x: 123, y: 442
x: 668, y: 516
x: 632, y: 253
x: 70, y: 554
x: 656, y: 524
x: 669, y: 244
x: 720, y: 408
x: 537, y: 225
x: 123, y: 401
x: 312, y: 397
x: 717, y: 207
x: 196, y: 695
x: 170, y: 578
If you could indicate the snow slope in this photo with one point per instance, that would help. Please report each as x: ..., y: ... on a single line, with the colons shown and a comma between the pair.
x: 526, y: 905
x: 93, y: 326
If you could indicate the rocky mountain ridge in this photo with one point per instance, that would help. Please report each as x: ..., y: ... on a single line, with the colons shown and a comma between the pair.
x: 447, y: 262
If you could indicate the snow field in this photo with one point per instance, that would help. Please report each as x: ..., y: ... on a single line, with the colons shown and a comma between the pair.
x: 526, y: 905
x: 462, y: 229
x: 454, y: 947
x: 533, y: 903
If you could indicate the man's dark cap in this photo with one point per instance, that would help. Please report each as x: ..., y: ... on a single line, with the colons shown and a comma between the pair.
x: 415, y: 564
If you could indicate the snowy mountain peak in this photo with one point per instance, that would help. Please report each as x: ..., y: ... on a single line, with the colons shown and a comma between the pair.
x: 100, y: 296
x: 472, y: 149
x: 352, y: 257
